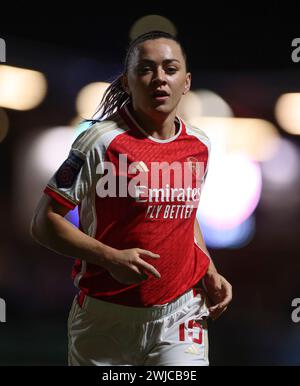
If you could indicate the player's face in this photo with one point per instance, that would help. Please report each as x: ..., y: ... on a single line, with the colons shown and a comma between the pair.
x: 157, y: 76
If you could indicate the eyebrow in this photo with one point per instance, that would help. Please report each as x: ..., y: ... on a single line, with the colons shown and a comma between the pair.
x: 153, y: 62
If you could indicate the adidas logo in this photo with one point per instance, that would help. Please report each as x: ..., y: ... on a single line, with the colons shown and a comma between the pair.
x: 192, y: 350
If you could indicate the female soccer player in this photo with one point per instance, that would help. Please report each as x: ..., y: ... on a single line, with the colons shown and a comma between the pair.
x: 136, y: 176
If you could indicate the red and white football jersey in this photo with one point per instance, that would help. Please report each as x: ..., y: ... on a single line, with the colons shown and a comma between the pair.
x: 102, y: 168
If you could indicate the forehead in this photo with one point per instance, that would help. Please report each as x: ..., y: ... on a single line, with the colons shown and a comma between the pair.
x: 158, y: 49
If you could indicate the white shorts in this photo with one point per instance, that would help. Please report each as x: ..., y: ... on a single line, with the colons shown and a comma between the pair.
x: 108, y: 334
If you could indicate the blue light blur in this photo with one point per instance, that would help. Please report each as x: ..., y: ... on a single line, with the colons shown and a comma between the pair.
x: 231, y: 238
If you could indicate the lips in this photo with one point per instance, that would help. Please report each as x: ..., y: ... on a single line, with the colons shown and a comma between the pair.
x: 160, y: 94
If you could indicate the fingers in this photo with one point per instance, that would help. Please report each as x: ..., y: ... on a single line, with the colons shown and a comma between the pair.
x: 141, y: 275
x: 149, y: 268
x: 226, y: 300
x: 146, y: 266
x: 228, y: 294
x: 131, y: 268
x: 148, y: 253
x: 216, y: 311
x: 136, y: 270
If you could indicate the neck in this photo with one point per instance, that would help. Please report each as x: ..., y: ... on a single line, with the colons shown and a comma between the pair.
x: 161, y: 126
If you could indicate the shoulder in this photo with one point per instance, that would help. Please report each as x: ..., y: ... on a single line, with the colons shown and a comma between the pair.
x: 98, y: 134
x: 198, y: 133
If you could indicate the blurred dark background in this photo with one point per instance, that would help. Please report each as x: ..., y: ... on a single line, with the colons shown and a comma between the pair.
x: 242, y: 55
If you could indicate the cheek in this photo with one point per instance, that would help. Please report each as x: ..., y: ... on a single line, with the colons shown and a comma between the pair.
x: 178, y: 88
x: 178, y: 83
x: 137, y: 86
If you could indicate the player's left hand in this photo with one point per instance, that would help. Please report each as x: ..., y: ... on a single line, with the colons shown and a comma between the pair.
x: 219, y: 292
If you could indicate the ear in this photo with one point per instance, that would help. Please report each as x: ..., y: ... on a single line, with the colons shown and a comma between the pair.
x: 187, y: 85
x: 124, y: 82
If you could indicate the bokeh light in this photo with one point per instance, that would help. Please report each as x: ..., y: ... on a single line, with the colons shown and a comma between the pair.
x: 236, y: 237
x: 213, y: 105
x: 55, y: 142
x: 283, y: 169
x: 152, y: 23
x: 74, y: 122
x: 287, y: 112
x: 37, y: 159
x: 89, y: 98
x: 21, y: 89
x: 232, y: 191
x: 256, y: 138
x: 189, y: 107
x: 200, y: 103
x: 4, y: 123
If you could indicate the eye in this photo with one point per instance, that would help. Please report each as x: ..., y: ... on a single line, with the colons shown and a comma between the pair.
x: 144, y: 70
x: 171, y: 70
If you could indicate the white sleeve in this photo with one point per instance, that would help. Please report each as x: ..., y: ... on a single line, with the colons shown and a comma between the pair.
x: 75, y: 177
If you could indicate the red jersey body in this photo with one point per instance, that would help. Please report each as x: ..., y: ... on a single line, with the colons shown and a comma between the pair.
x: 157, y: 218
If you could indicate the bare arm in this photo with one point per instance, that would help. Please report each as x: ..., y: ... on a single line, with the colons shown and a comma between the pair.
x: 52, y: 230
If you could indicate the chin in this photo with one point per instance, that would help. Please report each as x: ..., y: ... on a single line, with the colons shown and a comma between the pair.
x: 163, y: 109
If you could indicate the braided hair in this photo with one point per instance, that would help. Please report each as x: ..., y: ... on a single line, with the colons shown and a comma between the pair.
x: 115, y: 96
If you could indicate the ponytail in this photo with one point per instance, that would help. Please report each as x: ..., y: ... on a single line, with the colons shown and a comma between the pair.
x: 113, y: 99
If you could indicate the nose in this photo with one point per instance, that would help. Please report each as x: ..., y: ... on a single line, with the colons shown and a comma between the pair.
x: 159, y: 76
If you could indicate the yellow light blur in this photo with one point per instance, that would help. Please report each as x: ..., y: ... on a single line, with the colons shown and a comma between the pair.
x: 21, y: 89
x: 89, y: 98
x: 35, y: 161
x: 152, y: 23
x: 257, y: 138
x: 3, y: 124
x: 287, y: 112
x: 203, y: 103
x: 189, y: 107
x: 213, y: 105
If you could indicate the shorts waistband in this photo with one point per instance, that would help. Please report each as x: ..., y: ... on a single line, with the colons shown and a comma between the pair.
x: 100, y: 307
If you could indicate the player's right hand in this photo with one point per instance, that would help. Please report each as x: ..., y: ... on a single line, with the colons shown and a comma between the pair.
x: 128, y: 267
